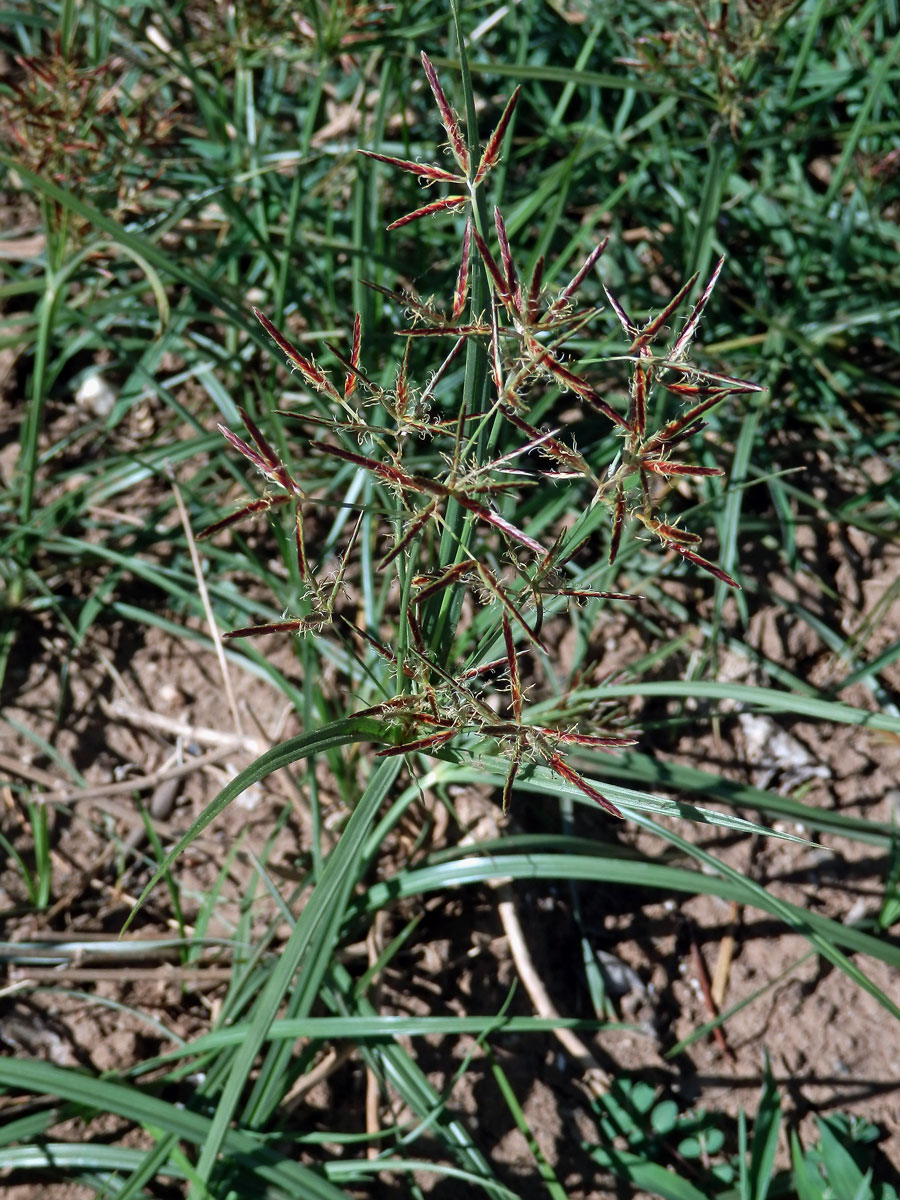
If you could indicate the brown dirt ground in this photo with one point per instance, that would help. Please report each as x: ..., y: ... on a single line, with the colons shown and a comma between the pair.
x: 139, y: 701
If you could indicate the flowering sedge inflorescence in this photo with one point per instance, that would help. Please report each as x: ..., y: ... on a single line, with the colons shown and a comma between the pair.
x: 79, y: 127
x: 479, y: 550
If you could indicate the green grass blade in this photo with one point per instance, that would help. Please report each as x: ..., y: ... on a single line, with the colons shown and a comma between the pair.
x: 332, y: 889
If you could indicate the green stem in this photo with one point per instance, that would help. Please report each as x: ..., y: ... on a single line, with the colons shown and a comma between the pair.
x: 441, y: 617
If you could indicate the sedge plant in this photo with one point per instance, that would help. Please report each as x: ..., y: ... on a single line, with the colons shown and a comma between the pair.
x: 473, y: 585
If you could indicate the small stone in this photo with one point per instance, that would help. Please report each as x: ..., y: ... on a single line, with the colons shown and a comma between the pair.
x: 96, y: 395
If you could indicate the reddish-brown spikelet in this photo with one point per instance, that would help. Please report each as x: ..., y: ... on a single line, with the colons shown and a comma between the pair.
x: 532, y: 310
x: 660, y: 467
x: 687, y: 334
x: 416, y: 526
x: 354, y: 375
x: 449, y: 119
x: 495, y: 588
x: 414, y: 483
x: 512, y: 279
x: 350, y: 381
x: 428, y: 210
x: 444, y: 330
x: 544, y: 357
x: 425, y: 743
x: 265, y: 461
x: 497, y: 276
x: 430, y: 587
x: 491, y: 155
x: 606, y: 741
x: 313, y: 375
x: 563, y: 454
x: 597, y: 401
x: 624, y: 320
x: 617, y: 526
x: 265, y: 449
x: 637, y: 416
x: 461, y: 291
x: 379, y: 647
x: 515, y: 687
x: 407, y: 301
x: 264, y: 630
x: 422, y: 170
x: 494, y: 518
x: 483, y: 669
x: 415, y: 630
x: 676, y: 439
x: 536, y: 441
x: 672, y: 533
x: 686, y: 389
x: 247, y: 510
x: 652, y: 328
x: 561, y: 767
x: 511, y: 778
x: 684, y: 421
x: 591, y: 594
x: 704, y: 563
x: 496, y: 353
x: 302, y: 564
x: 401, y: 388
x: 733, y: 386
x: 576, y: 281
x: 240, y: 445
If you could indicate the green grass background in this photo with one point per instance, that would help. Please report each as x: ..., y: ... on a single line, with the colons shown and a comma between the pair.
x: 224, y: 172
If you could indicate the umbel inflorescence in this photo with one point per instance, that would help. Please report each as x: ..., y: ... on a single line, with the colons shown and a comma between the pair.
x: 451, y: 535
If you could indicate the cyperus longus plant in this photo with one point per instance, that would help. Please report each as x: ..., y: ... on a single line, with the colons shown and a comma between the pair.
x: 472, y: 583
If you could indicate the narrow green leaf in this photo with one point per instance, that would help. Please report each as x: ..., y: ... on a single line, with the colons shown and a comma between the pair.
x: 766, y: 1128
x: 129, y: 1103
x: 336, y: 880
x: 340, y: 733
